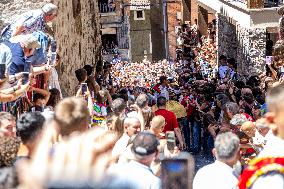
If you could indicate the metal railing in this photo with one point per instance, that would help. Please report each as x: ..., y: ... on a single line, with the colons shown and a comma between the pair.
x: 241, y: 1
x: 266, y: 3
x: 106, y: 8
x: 273, y: 3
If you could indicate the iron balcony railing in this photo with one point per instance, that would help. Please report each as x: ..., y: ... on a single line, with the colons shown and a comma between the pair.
x: 106, y: 8
x: 266, y: 3
x: 273, y: 3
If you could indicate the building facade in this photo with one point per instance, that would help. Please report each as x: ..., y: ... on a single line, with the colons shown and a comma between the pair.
x: 138, y: 28
x: 246, y: 30
x: 114, y: 26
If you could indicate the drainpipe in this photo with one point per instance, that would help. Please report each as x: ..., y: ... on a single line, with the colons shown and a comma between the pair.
x: 165, y: 15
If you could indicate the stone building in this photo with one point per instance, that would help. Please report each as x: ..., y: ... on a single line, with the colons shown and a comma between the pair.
x: 154, y: 33
x: 174, y: 16
x: 114, y: 29
x: 146, y: 30
x: 140, y: 30
x: 77, y: 31
x: 245, y: 29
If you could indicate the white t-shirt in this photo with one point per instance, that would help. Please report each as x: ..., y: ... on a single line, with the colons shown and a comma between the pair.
x: 273, y: 148
x: 217, y: 175
x: 121, y: 145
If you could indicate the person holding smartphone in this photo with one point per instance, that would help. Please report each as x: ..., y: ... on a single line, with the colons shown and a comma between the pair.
x: 40, y: 98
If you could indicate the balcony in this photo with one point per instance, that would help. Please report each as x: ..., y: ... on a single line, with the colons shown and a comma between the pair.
x: 258, y: 4
x: 248, y: 13
x: 106, y: 7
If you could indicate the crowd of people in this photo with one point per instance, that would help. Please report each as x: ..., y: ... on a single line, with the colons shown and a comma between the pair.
x: 134, y: 125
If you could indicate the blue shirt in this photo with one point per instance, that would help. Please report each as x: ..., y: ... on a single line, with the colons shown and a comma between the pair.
x: 19, y: 62
x: 40, y: 55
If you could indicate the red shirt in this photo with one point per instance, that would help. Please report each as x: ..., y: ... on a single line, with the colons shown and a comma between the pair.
x: 189, y: 109
x: 170, y: 118
x: 248, y: 117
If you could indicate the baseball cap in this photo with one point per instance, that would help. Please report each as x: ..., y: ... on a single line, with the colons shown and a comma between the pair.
x: 145, y: 143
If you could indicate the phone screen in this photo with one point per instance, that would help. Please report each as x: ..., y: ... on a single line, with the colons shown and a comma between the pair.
x: 175, y: 173
x: 25, y: 77
x: 53, y: 46
x: 2, y: 71
x: 84, y: 88
x: 282, y: 69
x: 53, y: 58
x: 171, y: 140
x: 268, y: 60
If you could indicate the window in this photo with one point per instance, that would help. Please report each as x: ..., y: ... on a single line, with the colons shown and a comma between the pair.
x: 139, y: 15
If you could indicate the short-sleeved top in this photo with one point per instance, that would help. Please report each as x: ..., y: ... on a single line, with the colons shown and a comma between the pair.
x: 99, y: 113
x: 31, y: 21
x: 5, y: 55
x: 170, y: 118
x: 133, y: 175
x: 223, y: 71
x: 19, y: 63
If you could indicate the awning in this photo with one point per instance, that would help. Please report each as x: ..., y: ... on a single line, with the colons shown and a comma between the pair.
x: 108, y: 31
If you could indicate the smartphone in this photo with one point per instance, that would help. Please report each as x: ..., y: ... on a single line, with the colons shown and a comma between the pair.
x: 53, y: 58
x: 171, y: 140
x: 2, y: 71
x: 178, y: 172
x: 25, y: 77
x: 53, y: 46
x: 282, y: 69
x: 84, y: 88
x: 268, y: 60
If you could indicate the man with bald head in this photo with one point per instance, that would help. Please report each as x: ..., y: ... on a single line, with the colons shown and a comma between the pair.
x: 157, y: 125
x: 132, y: 126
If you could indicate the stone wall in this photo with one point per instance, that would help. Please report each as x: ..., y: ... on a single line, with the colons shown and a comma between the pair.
x: 172, y: 9
x: 193, y: 10
x: 257, y: 37
x: 140, y: 34
x: 77, y: 31
x: 246, y: 45
x: 226, y: 38
x: 202, y: 20
x: 157, y: 31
